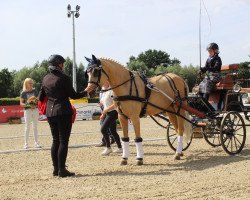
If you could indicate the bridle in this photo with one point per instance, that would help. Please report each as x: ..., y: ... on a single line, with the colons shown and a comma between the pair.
x: 97, y: 72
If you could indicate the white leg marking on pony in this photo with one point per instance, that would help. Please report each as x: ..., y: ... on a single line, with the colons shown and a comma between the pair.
x: 125, y: 148
x: 179, y: 144
x: 139, y: 150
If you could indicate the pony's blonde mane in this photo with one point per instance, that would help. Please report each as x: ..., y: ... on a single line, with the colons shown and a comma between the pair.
x: 114, y: 61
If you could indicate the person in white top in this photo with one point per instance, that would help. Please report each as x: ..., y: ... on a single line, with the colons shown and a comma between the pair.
x: 109, y: 117
x: 112, y: 140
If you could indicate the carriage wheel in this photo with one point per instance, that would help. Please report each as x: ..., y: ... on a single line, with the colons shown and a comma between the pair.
x: 172, y: 138
x: 213, y: 139
x: 233, y: 133
x: 212, y: 133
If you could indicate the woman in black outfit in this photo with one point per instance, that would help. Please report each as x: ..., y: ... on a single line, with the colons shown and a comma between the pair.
x: 58, y: 88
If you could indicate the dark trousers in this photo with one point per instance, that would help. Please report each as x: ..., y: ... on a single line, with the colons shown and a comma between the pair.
x: 110, y: 134
x: 60, y: 128
x: 109, y: 125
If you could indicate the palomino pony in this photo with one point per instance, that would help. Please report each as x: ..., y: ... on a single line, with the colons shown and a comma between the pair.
x: 129, y: 95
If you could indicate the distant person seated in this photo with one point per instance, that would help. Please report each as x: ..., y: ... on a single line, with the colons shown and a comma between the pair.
x: 213, y: 68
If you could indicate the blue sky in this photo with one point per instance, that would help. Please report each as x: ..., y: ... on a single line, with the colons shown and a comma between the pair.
x: 31, y: 30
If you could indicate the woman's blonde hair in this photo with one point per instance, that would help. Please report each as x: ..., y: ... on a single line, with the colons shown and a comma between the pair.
x: 25, y: 83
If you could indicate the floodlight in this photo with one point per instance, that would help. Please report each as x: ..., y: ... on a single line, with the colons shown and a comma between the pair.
x: 77, y: 14
x: 77, y: 8
x: 69, y: 7
x: 69, y: 14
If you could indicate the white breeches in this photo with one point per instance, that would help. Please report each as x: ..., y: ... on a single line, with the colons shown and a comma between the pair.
x: 31, y: 115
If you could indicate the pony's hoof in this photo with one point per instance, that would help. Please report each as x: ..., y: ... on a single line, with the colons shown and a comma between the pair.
x: 177, y: 156
x: 139, y: 162
x: 124, y: 162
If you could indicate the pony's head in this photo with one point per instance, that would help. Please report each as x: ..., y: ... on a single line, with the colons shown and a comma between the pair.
x: 95, y: 74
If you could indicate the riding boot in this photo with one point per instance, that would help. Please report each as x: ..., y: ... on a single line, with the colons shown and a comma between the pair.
x: 64, y: 173
x: 55, y: 171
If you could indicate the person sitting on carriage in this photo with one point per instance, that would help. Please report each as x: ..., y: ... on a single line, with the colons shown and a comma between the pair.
x: 213, y: 68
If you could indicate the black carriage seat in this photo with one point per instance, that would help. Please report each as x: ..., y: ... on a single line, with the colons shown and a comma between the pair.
x: 200, y: 103
x: 228, y: 80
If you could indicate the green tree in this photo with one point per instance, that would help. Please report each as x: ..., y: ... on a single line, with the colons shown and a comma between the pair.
x: 81, y: 81
x: 136, y: 65
x: 37, y: 72
x: 152, y: 61
x: 68, y: 67
x: 6, y: 83
x: 160, y: 69
x: 154, y: 58
x: 19, y: 78
x: 175, y: 61
x: 244, y: 74
x: 80, y: 78
x: 37, y: 75
x: 44, y: 65
x: 188, y: 73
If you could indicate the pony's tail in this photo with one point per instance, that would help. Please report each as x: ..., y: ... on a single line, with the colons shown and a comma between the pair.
x: 188, y: 129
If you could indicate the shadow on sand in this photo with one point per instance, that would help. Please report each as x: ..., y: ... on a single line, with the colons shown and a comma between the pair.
x: 197, y: 162
x: 202, y: 160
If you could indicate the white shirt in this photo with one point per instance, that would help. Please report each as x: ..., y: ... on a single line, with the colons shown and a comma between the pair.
x: 106, y: 99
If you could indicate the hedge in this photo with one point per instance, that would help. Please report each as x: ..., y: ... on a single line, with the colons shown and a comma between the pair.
x: 16, y: 101
x: 9, y: 101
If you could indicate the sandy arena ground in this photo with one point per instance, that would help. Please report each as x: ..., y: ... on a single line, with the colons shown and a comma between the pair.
x: 203, y: 173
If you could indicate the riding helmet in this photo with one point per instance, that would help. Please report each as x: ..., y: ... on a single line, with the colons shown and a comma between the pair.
x: 212, y: 46
x: 55, y: 60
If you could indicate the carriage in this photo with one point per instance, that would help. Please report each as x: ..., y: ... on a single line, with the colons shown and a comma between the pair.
x: 165, y: 98
x: 225, y: 127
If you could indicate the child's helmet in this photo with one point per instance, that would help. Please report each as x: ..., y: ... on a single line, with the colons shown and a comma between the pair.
x: 213, y: 46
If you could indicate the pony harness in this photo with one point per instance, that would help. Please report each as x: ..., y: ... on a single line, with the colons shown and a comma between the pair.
x: 135, y: 98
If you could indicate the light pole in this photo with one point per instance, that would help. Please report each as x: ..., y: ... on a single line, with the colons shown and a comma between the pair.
x: 74, y: 13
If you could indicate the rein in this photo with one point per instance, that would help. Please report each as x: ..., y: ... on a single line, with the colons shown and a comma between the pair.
x: 116, y: 86
x: 99, y: 78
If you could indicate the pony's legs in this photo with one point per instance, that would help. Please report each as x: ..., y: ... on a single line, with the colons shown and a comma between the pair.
x: 180, y: 131
x: 125, y: 139
x: 138, y: 140
x: 173, y: 120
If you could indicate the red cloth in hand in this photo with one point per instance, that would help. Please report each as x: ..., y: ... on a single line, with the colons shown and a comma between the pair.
x: 42, y: 108
x: 74, y: 113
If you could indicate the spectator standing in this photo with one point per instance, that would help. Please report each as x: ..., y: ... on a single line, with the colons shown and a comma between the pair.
x: 28, y: 101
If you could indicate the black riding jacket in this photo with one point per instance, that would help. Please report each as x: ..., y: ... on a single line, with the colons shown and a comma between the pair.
x: 213, y: 64
x: 57, y: 86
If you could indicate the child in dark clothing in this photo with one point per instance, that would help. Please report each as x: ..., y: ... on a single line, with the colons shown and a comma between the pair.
x: 213, y: 67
